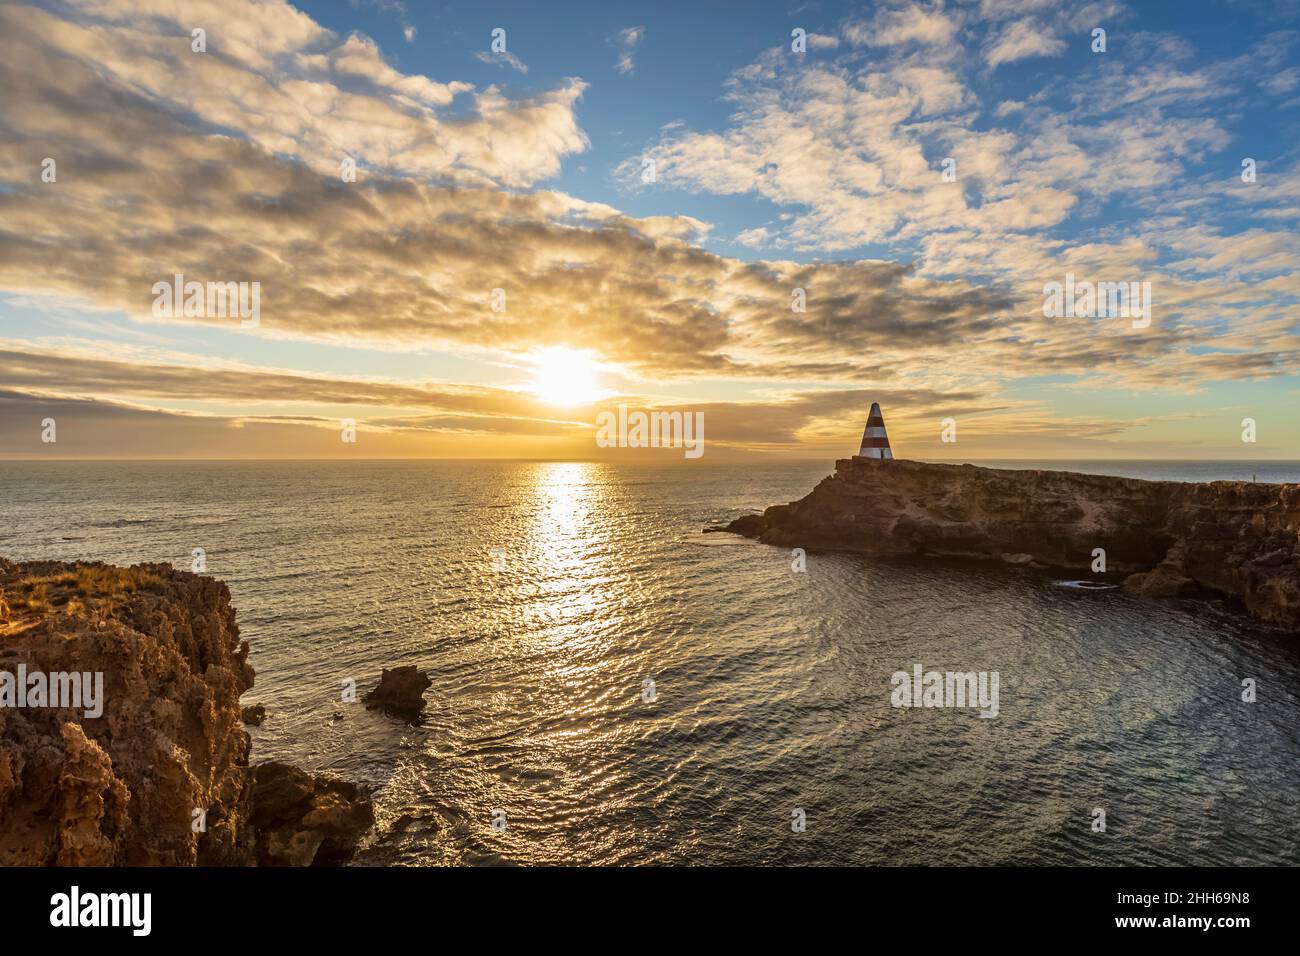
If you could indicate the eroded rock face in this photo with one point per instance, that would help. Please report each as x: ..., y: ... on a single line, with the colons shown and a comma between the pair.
x: 1232, y: 538
x: 1166, y: 579
x: 122, y: 788
x: 306, y: 819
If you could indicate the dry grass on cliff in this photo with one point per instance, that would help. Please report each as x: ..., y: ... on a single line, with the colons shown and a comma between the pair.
x: 101, y: 580
x: 86, y: 590
x: 34, y: 596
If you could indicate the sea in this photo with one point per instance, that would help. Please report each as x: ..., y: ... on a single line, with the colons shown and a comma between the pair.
x: 613, y: 686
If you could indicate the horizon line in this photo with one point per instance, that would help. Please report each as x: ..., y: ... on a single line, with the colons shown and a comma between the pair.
x: 648, y: 460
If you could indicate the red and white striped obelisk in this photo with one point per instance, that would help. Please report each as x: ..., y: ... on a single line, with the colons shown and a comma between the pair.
x: 875, y: 443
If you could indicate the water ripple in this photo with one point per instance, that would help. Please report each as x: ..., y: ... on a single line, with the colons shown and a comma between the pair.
x: 542, y: 597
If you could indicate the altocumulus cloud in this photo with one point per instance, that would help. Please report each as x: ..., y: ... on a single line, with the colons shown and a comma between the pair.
x: 392, y: 261
x: 226, y: 166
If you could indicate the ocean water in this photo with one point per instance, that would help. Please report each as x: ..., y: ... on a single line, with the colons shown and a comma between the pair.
x: 771, y: 688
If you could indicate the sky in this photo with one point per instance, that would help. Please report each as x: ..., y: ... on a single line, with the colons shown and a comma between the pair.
x: 476, y: 227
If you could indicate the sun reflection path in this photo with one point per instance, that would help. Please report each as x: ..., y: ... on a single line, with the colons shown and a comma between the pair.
x: 573, y: 564
x: 564, y: 492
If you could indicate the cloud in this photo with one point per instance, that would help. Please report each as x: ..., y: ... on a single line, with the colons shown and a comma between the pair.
x: 852, y: 149
x: 504, y: 58
x: 392, y: 263
x: 922, y: 24
x: 1021, y: 40
x: 398, y: 9
x: 822, y: 41
x: 1283, y: 81
x: 275, y: 78
x: 228, y: 171
x: 303, y: 412
x: 1002, y: 9
x: 813, y: 423
x: 625, y: 41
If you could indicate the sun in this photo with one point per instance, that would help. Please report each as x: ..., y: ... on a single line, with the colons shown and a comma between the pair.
x: 563, y: 376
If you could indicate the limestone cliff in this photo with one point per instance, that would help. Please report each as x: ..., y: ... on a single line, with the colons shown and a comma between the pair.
x: 1232, y: 538
x: 123, y: 787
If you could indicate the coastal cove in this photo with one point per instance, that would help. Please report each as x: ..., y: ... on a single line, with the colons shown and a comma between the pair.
x: 772, y: 687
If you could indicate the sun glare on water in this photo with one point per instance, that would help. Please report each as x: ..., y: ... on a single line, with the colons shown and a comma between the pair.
x: 564, y: 376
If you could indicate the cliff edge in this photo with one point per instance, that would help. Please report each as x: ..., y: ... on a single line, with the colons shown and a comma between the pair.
x: 1232, y: 538
x: 150, y: 765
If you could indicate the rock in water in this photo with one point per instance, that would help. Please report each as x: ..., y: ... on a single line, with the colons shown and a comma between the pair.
x: 253, y: 715
x: 400, y: 692
x: 1234, y: 538
x: 307, y: 820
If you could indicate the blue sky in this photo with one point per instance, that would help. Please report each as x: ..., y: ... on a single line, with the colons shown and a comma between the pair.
x: 776, y: 171
x: 687, y: 51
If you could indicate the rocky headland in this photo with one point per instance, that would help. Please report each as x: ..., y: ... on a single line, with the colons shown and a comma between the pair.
x: 161, y: 774
x: 1234, y: 539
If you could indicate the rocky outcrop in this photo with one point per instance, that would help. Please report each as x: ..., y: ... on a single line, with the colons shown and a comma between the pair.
x: 400, y: 692
x: 1166, y: 579
x: 305, y: 819
x: 1231, y: 538
x: 161, y: 775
